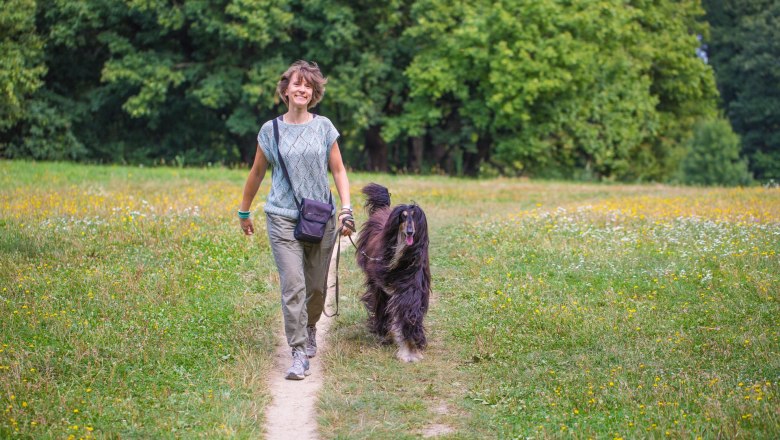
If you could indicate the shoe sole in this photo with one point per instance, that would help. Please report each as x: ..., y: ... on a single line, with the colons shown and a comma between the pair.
x: 292, y: 376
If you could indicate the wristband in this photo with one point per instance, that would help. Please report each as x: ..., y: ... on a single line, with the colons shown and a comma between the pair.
x: 243, y: 214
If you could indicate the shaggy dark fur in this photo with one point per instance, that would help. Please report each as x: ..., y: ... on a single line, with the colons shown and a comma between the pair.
x: 393, y: 253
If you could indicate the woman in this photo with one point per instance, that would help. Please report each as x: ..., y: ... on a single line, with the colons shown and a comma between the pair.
x: 308, y: 146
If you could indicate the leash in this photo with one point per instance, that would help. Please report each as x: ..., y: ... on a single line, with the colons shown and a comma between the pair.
x: 362, y: 252
x: 338, y: 257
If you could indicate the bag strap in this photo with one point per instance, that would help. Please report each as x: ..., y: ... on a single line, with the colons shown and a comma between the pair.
x: 284, y: 166
x: 281, y: 161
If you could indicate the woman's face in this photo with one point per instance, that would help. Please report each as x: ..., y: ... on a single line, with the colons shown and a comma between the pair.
x: 299, y: 92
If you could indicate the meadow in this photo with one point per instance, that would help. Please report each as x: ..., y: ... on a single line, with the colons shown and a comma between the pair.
x: 131, y: 306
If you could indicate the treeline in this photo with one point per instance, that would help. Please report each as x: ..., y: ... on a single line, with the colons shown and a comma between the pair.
x: 608, y: 89
x: 744, y: 50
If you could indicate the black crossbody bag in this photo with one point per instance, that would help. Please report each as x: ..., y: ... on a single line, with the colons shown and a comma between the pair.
x: 313, y: 216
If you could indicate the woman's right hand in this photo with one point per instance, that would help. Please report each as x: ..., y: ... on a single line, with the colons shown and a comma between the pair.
x: 247, y: 226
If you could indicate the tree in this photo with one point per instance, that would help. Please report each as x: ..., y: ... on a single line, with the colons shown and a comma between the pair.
x: 143, y: 81
x: 555, y: 87
x: 604, y: 90
x: 743, y: 49
x: 713, y: 156
x: 21, y: 69
x: 21, y: 52
x: 189, y: 78
x: 361, y: 46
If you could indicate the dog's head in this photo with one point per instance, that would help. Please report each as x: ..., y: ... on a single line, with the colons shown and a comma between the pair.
x: 409, y: 225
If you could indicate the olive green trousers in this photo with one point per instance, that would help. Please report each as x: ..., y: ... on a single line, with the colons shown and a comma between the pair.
x: 303, y: 275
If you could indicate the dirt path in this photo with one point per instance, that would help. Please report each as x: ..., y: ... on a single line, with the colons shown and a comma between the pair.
x: 293, y: 409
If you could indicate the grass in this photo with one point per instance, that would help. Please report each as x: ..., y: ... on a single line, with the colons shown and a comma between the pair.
x: 130, y: 306
x: 579, y: 310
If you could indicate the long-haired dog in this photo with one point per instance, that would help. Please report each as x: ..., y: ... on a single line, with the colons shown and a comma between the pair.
x: 392, y: 250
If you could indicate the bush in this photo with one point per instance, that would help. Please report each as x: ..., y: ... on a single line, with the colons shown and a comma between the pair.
x: 44, y: 133
x: 713, y: 156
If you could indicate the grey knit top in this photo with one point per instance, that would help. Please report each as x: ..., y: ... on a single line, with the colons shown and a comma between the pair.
x: 306, y: 149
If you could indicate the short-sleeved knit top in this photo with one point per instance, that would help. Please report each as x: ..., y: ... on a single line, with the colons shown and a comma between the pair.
x: 306, y: 149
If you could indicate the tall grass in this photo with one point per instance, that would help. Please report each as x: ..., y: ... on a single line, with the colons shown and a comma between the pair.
x: 131, y: 306
x: 625, y: 319
x: 580, y: 310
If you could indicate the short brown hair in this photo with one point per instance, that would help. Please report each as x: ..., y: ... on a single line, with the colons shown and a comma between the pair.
x: 310, y: 72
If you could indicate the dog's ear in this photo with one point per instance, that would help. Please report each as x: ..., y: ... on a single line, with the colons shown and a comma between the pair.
x: 421, y: 226
x: 395, y: 219
x: 390, y: 231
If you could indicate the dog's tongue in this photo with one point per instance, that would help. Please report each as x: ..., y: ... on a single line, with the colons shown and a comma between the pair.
x: 409, y: 240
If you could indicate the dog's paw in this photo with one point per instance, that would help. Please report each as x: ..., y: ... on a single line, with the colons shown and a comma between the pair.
x: 408, y: 354
x: 405, y: 357
x: 415, y: 356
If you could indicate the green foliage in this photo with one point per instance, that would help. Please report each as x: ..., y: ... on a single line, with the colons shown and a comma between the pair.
x: 555, y: 88
x: 744, y: 48
x: 713, y: 156
x: 559, y: 85
x: 46, y: 133
x: 34, y: 122
x: 21, y: 66
x: 21, y: 72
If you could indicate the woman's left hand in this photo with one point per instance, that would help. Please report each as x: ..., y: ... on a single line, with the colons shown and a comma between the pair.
x: 347, y: 222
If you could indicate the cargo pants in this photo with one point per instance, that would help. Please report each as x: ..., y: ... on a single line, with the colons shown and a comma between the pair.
x: 303, y: 275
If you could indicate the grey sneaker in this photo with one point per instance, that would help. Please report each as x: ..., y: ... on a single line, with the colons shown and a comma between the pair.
x: 300, y: 367
x: 311, y: 341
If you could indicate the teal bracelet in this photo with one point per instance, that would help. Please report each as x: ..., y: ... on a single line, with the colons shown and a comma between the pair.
x: 243, y: 214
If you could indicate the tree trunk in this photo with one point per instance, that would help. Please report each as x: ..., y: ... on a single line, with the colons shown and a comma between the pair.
x: 247, y: 150
x: 376, y: 149
x: 472, y: 161
x: 440, y: 156
x: 416, y: 144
